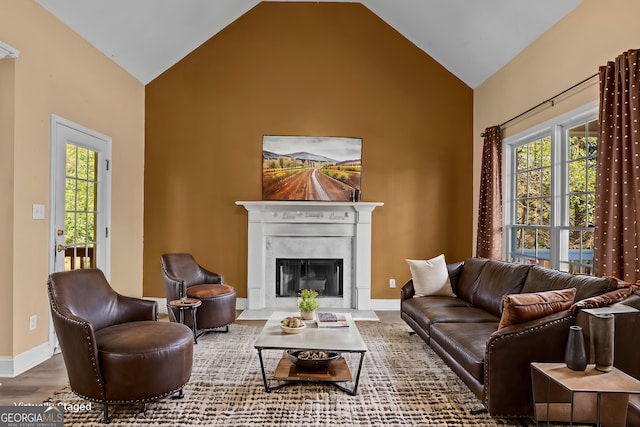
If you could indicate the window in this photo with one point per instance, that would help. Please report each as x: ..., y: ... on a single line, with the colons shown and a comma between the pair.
x: 550, y: 193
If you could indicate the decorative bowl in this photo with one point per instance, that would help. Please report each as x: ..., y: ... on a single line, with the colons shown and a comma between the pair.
x: 288, y: 330
x: 304, y: 359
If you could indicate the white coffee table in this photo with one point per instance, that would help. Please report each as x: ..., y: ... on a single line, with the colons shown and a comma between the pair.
x: 342, y: 340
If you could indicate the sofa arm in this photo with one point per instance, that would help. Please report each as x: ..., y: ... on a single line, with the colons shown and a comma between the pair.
x: 407, y: 291
x: 508, y: 357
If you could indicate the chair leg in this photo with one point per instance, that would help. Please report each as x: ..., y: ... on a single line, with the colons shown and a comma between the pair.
x: 105, y: 414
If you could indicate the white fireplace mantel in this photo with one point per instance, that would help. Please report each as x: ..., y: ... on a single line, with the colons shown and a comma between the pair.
x: 271, y: 220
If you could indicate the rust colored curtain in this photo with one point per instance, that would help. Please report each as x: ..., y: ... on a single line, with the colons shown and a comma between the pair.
x: 489, y: 240
x: 617, y: 203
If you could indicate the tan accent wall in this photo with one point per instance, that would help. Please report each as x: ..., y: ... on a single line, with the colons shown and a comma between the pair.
x: 59, y: 72
x: 572, y: 50
x: 328, y: 69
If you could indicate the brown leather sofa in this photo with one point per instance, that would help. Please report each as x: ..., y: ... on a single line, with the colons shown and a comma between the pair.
x: 113, y: 347
x: 463, y: 330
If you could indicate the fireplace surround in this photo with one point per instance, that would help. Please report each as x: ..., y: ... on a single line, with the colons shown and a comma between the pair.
x: 309, y: 230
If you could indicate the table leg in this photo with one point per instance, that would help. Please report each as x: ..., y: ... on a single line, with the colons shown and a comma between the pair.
x: 194, y: 325
x: 354, y: 390
x: 264, y: 375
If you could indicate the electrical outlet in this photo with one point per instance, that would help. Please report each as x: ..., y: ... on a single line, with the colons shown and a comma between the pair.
x: 33, y: 322
x: 392, y: 283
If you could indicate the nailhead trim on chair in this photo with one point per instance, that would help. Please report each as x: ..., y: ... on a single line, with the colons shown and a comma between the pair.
x: 87, y: 328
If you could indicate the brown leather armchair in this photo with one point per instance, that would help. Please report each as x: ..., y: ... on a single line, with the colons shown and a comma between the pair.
x: 114, y: 349
x: 183, y: 276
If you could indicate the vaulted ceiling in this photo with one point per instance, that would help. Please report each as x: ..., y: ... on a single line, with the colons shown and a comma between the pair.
x: 471, y: 38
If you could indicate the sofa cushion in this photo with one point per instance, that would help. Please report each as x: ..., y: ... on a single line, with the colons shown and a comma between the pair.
x: 519, y: 308
x: 467, y: 278
x: 498, y: 278
x: 544, y: 279
x: 419, y: 308
x: 430, y: 277
x: 459, y: 315
x: 466, y: 343
x: 454, y: 273
x: 590, y: 286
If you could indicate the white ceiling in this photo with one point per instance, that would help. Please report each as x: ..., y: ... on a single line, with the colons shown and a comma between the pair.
x: 471, y: 38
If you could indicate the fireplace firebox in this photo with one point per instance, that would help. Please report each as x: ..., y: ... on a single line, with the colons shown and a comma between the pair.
x: 324, y: 275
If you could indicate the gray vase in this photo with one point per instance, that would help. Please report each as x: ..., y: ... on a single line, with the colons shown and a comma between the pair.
x: 575, y: 355
x: 602, y: 333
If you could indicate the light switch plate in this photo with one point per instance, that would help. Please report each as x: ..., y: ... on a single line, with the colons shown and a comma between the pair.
x: 38, y: 211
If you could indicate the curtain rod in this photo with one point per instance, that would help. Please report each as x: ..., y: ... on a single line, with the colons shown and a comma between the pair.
x: 551, y: 100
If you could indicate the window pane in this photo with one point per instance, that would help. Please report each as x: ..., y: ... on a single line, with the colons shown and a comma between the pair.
x: 71, y: 160
x: 529, y: 241
x: 521, y: 158
x: 534, y: 183
x: 521, y: 190
x: 591, y: 204
x: 81, y: 196
x: 521, y: 214
x: 81, y: 227
x: 544, y: 246
x: 591, y: 175
x: 533, y: 214
x: 91, y: 227
x: 546, y: 182
x: 70, y: 194
x: 546, y: 211
x: 82, y: 162
x: 577, y: 211
x: 534, y: 155
x: 91, y: 165
x: 577, y: 176
x: 545, y: 147
x: 70, y: 227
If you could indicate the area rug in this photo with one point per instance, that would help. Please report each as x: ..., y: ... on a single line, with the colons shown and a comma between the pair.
x: 403, y: 383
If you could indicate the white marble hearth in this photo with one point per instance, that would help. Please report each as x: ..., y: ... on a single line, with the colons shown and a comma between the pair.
x: 309, y: 229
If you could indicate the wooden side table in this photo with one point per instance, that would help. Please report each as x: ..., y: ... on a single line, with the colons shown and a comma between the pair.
x: 561, y: 394
x: 187, y: 304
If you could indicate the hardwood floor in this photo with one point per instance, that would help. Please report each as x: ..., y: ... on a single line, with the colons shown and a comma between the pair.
x: 40, y: 382
x: 35, y: 385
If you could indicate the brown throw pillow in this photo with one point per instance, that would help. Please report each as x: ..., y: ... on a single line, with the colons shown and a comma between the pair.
x: 519, y: 308
x: 606, y: 299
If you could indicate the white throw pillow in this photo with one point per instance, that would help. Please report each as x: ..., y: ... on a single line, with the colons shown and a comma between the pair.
x: 430, y: 277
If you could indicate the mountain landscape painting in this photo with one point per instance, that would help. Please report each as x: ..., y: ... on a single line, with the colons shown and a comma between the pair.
x: 311, y: 168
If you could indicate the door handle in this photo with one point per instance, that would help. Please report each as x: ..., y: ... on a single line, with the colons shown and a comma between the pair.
x: 61, y: 248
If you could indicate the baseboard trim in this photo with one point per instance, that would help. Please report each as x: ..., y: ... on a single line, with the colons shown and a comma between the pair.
x: 11, y: 367
x: 241, y: 304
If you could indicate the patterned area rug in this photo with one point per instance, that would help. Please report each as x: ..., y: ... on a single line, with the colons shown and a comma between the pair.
x: 403, y: 383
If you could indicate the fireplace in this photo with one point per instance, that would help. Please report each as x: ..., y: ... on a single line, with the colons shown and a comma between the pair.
x: 322, y: 275
x: 319, y: 232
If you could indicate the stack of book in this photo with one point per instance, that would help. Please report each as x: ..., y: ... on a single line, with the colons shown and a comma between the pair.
x: 331, y: 320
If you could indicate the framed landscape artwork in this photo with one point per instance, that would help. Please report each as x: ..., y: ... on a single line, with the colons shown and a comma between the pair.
x: 311, y: 168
